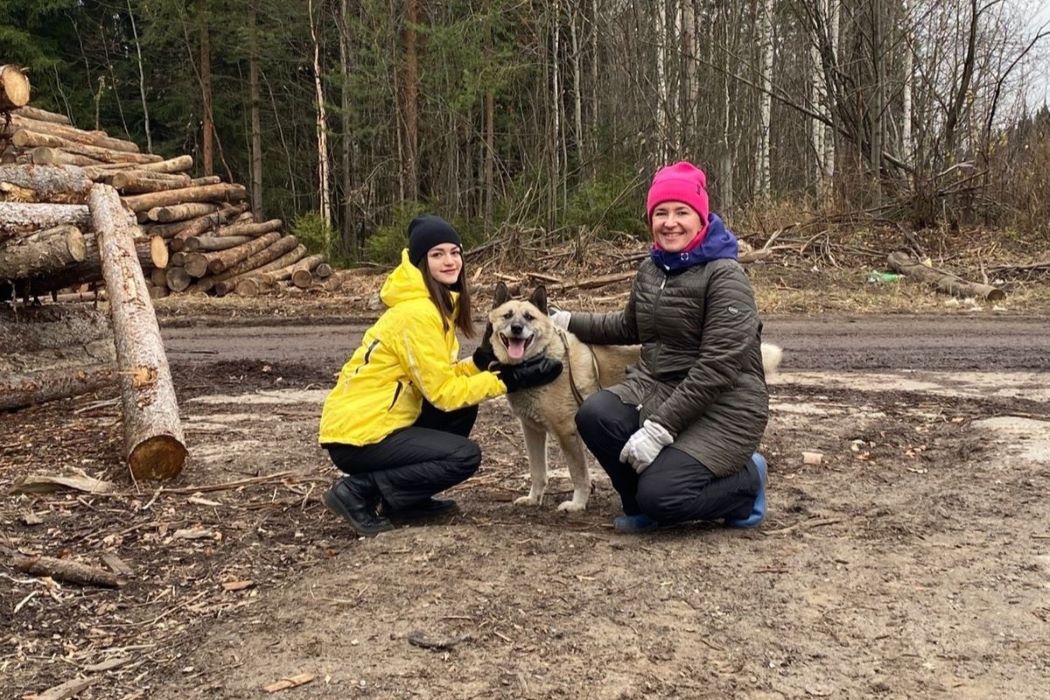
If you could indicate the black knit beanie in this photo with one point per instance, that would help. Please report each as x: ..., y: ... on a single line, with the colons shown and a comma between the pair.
x: 427, y: 231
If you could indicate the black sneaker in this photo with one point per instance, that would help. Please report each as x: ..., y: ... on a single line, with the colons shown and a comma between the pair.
x: 345, y: 499
x: 427, y: 509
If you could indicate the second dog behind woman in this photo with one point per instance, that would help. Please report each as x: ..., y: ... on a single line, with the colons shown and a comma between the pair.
x: 398, y: 420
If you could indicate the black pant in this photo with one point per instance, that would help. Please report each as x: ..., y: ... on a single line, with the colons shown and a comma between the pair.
x: 412, y: 464
x: 675, y: 488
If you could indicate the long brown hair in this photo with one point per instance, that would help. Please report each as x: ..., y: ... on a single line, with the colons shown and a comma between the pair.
x: 442, y: 299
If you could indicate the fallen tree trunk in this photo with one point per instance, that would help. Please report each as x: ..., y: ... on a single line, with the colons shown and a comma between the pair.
x: 23, y: 138
x: 142, y: 181
x: 153, y: 440
x: 17, y: 218
x: 250, y: 228
x: 18, y: 390
x: 178, y: 164
x: 14, y: 87
x: 257, y: 262
x: 199, y: 264
x: 41, y: 253
x: 302, y: 272
x: 222, y: 192
x: 250, y: 285
x: 46, y: 181
x: 45, y: 155
x: 71, y: 133
x: 208, y: 222
x: 944, y: 282
x: 207, y: 244
x: 41, y: 115
x: 180, y: 212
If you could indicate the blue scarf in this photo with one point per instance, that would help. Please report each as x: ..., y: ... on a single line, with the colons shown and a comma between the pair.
x: 717, y: 244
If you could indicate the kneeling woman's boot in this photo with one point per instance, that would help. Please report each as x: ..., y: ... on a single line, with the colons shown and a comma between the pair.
x: 355, y: 498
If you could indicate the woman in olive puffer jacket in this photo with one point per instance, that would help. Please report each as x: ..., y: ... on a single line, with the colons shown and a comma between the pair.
x: 678, y: 436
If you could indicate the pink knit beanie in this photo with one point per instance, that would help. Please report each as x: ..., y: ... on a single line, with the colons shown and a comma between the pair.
x: 681, y: 182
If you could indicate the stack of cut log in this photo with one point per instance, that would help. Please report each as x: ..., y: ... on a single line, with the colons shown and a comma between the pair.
x: 195, y: 234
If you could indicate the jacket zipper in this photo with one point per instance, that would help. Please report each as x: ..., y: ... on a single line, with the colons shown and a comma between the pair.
x: 368, y: 354
x: 659, y: 343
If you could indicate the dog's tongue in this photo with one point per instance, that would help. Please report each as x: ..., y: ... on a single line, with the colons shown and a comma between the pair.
x: 515, y: 348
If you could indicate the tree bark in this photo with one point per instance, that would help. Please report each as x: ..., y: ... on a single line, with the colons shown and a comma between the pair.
x: 207, y: 222
x: 943, y: 281
x: 222, y: 192
x: 45, y: 155
x: 66, y: 570
x: 138, y: 183
x: 262, y: 261
x: 200, y: 264
x: 255, y: 283
x: 210, y: 244
x: 46, y: 181
x: 252, y: 286
x: 41, y: 253
x: 180, y: 212
x: 324, y: 187
x: 172, y: 165
x: 177, y: 279
x: 250, y: 228
x: 23, y: 138
x: 14, y: 87
x: 41, y: 115
x: 255, y: 109
x: 18, y: 390
x: 153, y: 438
x: 207, y: 117
x: 18, y: 219
x: 70, y: 133
x: 410, y: 107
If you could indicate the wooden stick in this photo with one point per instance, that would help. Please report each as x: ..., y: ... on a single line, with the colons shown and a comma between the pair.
x: 943, y: 281
x: 66, y: 570
x: 65, y: 690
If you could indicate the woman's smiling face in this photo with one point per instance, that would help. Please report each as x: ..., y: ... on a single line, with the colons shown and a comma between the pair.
x: 674, y: 225
x: 444, y: 262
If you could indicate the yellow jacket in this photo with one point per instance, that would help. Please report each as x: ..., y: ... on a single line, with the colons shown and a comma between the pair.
x: 404, y: 357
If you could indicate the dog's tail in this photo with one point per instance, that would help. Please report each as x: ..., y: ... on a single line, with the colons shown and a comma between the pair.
x: 771, y: 356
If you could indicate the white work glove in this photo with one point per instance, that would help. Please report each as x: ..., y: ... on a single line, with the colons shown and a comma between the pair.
x: 560, y: 317
x: 644, y: 445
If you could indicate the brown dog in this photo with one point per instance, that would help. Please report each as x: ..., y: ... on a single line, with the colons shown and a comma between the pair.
x: 521, y: 330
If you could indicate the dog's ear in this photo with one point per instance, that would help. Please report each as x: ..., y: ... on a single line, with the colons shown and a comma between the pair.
x: 501, y: 295
x: 539, y: 298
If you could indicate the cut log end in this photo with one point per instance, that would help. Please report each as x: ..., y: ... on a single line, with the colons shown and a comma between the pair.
x: 14, y: 87
x: 157, y: 458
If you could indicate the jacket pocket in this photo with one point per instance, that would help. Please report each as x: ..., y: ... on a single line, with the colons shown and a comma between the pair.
x: 397, y: 393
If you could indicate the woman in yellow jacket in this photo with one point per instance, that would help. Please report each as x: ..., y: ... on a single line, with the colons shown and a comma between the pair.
x: 398, y: 418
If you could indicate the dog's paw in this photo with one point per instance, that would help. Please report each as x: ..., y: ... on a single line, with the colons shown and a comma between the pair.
x: 572, y: 506
x: 529, y: 500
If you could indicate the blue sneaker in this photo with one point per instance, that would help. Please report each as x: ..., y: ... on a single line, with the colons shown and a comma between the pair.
x: 758, y: 510
x: 634, y: 524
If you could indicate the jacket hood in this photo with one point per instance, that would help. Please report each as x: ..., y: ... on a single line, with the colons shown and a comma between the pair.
x: 405, y: 283
x: 718, y: 243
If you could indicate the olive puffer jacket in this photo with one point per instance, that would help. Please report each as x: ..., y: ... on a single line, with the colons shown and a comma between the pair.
x: 700, y: 373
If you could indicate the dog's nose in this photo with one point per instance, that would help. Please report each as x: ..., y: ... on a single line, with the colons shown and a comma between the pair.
x: 517, y: 329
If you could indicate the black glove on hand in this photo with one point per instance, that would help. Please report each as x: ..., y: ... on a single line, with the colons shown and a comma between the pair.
x: 483, y: 358
x: 538, y: 371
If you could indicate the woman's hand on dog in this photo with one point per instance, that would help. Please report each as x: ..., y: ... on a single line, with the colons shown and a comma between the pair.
x: 531, y: 373
x: 484, y: 358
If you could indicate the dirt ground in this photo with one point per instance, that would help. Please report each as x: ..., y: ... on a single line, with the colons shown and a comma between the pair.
x: 912, y: 561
